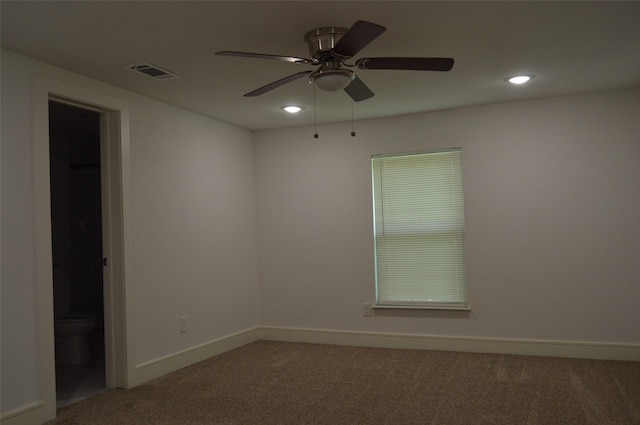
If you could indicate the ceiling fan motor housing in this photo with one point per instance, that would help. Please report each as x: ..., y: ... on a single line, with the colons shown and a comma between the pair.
x: 321, y: 41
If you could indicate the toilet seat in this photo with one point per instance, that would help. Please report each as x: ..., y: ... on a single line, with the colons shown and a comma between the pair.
x: 71, y: 337
x: 70, y: 330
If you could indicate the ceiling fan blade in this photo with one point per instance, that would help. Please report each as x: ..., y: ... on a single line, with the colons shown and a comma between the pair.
x: 416, y: 64
x: 292, y: 59
x: 359, y: 35
x: 276, y: 84
x: 358, y: 90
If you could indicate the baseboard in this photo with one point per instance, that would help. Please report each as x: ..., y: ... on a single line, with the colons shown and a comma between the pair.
x: 157, y: 368
x: 36, y: 413
x: 30, y: 414
x: 550, y: 348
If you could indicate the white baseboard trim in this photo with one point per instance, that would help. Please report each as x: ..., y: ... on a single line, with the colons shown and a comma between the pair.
x: 26, y: 415
x: 35, y: 413
x: 157, y: 368
x: 550, y: 348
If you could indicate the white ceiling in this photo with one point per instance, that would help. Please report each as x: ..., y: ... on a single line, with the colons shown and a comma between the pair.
x: 571, y: 47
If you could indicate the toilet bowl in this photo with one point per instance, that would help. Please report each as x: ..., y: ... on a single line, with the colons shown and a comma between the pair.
x: 70, y: 330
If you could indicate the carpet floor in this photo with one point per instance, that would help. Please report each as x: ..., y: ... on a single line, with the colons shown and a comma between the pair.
x: 268, y: 382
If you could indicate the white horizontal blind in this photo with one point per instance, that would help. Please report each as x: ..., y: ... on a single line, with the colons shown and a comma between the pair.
x: 419, y: 229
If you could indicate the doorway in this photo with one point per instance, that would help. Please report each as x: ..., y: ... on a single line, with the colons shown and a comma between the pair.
x: 115, y: 162
x: 76, y: 232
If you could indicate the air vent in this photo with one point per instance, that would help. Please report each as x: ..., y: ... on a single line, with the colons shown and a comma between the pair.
x: 152, y: 71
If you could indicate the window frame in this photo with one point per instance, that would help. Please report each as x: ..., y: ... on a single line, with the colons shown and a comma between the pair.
x: 457, y: 180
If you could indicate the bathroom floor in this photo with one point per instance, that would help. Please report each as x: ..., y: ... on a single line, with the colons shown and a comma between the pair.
x: 77, y: 382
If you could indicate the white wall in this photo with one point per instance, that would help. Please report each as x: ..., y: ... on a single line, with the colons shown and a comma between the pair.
x: 551, y: 201
x: 194, y: 227
x: 18, y: 361
x: 552, y: 211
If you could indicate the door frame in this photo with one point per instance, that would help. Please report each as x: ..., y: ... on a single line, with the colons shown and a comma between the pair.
x: 116, y: 228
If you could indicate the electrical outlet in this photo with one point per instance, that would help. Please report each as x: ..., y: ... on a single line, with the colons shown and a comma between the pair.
x: 183, y: 324
x: 367, y: 311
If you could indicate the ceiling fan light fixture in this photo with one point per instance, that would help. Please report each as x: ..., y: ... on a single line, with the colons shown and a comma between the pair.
x: 332, y: 79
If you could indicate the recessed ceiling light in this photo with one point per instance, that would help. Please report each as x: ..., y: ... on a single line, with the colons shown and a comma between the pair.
x: 519, y: 79
x: 292, y: 109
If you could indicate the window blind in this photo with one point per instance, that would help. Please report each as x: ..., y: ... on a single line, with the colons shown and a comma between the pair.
x: 419, y: 229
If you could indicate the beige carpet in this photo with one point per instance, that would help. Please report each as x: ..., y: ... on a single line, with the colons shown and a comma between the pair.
x: 289, y: 383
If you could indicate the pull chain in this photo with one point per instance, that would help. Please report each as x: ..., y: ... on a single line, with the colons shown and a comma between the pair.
x: 315, y: 119
x: 353, y: 133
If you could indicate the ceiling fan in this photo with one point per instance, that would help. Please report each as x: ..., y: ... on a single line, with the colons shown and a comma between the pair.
x: 330, y: 47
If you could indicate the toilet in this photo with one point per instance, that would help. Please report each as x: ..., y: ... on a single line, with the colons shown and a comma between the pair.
x: 70, y: 330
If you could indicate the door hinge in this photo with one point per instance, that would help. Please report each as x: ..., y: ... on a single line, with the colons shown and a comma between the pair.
x: 104, y: 261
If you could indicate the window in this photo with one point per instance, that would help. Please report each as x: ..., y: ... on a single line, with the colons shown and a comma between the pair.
x: 419, y: 230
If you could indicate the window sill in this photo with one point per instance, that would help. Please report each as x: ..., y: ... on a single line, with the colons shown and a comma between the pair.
x: 420, y: 307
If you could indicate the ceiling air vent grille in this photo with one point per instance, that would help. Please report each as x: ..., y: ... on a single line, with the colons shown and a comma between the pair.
x: 152, y: 71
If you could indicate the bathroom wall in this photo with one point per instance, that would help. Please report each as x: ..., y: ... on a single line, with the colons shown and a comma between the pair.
x: 76, y: 205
